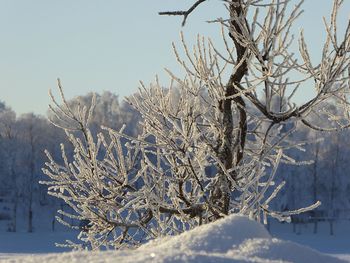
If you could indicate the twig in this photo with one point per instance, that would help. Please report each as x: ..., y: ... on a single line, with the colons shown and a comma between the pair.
x: 185, y: 14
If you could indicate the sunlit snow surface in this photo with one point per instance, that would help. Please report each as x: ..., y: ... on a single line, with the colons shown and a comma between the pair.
x: 232, y: 239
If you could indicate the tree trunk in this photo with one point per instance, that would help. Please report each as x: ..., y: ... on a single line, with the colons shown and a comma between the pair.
x: 232, y: 146
x: 333, y: 184
x: 31, y: 179
x: 315, y: 183
x: 13, y: 227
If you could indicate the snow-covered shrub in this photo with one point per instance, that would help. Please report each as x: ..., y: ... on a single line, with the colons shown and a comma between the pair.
x: 210, y: 145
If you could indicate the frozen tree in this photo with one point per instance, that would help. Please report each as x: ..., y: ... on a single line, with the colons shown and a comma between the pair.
x: 31, y: 133
x: 8, y: 153
x: 212, y: 141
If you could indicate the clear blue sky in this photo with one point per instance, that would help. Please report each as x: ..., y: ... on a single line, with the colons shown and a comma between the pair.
x: 103, y: 45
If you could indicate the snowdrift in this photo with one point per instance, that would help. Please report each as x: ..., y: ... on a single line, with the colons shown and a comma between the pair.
x: 232, y: 239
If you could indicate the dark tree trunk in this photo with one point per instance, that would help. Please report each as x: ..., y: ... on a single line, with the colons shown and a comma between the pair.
x: 31, y: 178
x: 232, y: 146
x: 315, y: 184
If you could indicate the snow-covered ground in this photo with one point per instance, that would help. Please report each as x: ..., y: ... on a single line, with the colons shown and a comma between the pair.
x: 233, y: 239
x: 338, y: 243
x: 33, y: 243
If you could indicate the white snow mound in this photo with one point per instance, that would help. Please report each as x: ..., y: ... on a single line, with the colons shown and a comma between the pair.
x: 231, y: 239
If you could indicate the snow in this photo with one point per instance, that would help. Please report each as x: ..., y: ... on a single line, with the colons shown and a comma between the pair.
x: 30, y: 243
x: 339, y: 243
x: 232, y: 239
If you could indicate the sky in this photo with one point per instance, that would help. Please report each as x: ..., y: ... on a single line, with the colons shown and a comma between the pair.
x: 109, y: 45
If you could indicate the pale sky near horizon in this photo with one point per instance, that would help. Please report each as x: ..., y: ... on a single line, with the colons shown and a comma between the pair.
x: 104, y: 45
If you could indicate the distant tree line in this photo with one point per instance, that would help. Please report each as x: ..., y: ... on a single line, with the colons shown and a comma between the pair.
x: 23, y: 140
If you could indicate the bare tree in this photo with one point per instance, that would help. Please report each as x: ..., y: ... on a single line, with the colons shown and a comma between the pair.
x: 30, y: 134
x: 210, y: 144
x: 315, y: 179
x: 8, y: 136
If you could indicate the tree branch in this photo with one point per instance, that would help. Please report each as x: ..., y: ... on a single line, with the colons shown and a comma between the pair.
x: 185, y: 14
